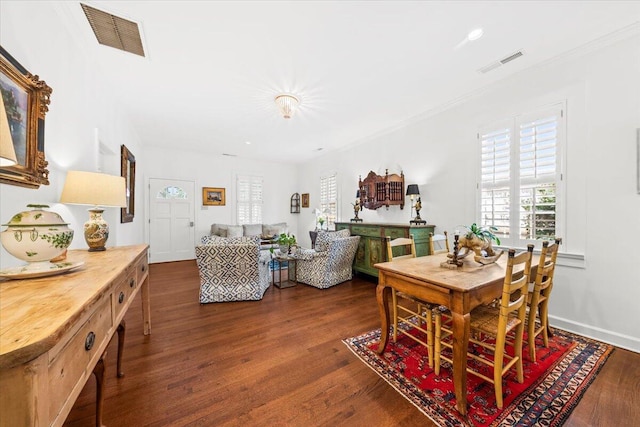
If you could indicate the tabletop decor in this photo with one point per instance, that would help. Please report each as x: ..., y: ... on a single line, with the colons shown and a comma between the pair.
x: 25, y: 99
x: 36, y: 236
x: 357, y: 207
x: 478, y: 239
x: 98, y: 190
x: 551, y: 389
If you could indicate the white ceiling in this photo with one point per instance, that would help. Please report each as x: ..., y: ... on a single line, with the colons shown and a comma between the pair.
x: 360, y: 67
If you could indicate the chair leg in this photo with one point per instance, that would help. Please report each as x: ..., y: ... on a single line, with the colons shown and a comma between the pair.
x: 429, y: 316
x: 531, y: 333
x: 438, y: 344
x: 121, y: 331
x: 544, y: 311
x: 498, y: 363
x: 98, y: 371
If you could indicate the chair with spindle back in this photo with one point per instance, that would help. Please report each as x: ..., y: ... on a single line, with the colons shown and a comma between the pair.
x: 496, y: 322
x: 420, y: 319
x: 538, y: 299
x: 438, y: 243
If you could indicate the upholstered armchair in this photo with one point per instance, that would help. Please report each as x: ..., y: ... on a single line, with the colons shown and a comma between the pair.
x: 232, y: 269
x: 330, y: 263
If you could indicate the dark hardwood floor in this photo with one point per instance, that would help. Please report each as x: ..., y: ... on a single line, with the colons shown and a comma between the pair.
x: 280, y: 362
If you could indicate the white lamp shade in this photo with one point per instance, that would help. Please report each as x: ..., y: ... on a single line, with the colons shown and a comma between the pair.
x: 7, y: 153
x: 97, y: 189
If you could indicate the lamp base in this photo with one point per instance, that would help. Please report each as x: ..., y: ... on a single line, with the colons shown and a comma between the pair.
x: 96, y: 231
x: 417, y: 221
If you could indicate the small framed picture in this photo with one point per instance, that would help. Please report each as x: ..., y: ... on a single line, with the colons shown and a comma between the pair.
x: 213, y: 196
x: 305, y: 200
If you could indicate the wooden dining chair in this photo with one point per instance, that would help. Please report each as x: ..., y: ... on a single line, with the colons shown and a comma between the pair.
x: 438, y: 243
x: 538, y: 298
x: 416, y: 313
x: 496, y: 322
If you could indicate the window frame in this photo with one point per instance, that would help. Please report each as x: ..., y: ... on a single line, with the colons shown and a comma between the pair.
x: 253, y: 203
x: 513, y: 123
x: 329, y: 207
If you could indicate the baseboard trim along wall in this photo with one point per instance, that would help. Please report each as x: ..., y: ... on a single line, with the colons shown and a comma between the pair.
x: 619, y: 340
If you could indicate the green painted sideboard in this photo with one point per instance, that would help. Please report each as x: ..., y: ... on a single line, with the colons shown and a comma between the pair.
x: 371, y: 248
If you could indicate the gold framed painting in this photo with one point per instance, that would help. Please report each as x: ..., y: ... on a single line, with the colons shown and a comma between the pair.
x: 128, y: 172
x: 305, y: 200
x: 212, y: 196
x: 25, y: 100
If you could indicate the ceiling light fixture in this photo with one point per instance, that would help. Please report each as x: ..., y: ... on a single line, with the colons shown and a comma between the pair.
x: 287, y: 104
x: 475, y: 34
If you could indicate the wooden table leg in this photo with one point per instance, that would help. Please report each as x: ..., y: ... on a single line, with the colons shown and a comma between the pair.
x: 146, y: 306
x: 98, y: 371
x: 122, y: 327
x: 382, y: 296
x: 460, y: 343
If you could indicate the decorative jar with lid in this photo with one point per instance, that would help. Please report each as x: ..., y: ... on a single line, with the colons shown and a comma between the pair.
x: 36, y: 236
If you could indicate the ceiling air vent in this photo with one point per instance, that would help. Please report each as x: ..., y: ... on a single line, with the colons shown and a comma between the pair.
x: 496, y: 64
x: 113, y: 31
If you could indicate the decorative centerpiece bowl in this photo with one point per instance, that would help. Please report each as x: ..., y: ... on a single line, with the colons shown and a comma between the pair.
x: 36, y: 236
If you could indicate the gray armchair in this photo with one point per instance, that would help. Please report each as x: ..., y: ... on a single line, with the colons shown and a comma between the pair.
x: 232, y: 269
x: 331, y: 261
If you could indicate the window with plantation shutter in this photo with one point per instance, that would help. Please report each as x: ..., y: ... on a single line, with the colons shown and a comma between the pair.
x: 329, y: 199
x: 520, y: 176
x: 249, y: 199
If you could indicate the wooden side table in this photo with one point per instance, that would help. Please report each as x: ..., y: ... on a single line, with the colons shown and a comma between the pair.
x: 292, y: 273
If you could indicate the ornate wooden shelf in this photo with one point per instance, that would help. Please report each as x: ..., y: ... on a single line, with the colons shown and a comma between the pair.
x: 377, y: 191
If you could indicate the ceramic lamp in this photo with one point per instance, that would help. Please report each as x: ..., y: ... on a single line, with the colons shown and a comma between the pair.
x: 98, y: 189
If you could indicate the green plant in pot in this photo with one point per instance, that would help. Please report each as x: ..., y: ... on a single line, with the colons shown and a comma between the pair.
x: 478, y: 240
x: 483, y: 233
x: 286, y: 241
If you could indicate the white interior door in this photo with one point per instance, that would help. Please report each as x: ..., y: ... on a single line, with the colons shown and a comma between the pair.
x: 171, y: 220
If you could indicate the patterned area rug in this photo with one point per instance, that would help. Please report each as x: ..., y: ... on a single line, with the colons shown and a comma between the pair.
x: 552, y: 386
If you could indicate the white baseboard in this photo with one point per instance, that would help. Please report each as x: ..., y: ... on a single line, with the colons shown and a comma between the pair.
x: 619, y: 340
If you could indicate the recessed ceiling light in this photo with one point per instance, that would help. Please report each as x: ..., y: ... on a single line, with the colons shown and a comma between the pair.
x: 475, y: 34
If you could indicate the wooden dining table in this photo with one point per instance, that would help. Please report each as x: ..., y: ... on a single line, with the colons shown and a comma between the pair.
x: 461, y: 290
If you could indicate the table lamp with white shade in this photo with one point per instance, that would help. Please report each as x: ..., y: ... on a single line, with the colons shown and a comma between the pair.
x: 97, y: 189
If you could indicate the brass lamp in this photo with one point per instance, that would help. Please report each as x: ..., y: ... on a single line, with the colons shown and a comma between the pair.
x: 412, y: 192
x: 7, y: 153
x: 97, y: 189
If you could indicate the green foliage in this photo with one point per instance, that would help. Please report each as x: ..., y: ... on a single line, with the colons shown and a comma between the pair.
x: 484, y: 233
x: 286, y: 239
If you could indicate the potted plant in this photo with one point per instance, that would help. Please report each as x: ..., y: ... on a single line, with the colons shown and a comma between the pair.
x: 482, y: 233
x: 286, y: 241
x: 321, y: 222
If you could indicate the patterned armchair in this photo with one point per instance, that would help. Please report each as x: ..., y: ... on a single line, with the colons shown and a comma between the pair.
x: 330, y: 263
x: 232, y: 269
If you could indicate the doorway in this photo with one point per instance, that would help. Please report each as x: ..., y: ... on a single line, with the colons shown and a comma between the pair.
x: 171, y: 220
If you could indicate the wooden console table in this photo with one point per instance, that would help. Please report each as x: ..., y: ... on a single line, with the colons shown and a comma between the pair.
x: 54, y: 331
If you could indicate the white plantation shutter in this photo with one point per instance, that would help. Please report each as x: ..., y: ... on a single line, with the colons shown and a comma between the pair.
x: 249, y: 199
x: 538, y: 174
x: 495, y: 180
x: 329, y: 199
x: 520, y: 176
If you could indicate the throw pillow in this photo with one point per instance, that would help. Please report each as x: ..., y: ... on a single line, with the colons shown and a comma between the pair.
x: 219, y: 230
x: 252, y: 229
x: 274, y: 229
x: 234, y: 231
x: 208, y: 240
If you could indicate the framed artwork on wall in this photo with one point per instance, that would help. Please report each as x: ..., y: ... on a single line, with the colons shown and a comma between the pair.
x: 212, y: 196
x: 128, y: 172
x: 25, y: 101
x: 305, y: 200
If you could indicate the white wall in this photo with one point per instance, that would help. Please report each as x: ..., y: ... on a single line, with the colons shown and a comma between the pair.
x: 596, y: 296
x: 80, y: 103
x: 208, y: 170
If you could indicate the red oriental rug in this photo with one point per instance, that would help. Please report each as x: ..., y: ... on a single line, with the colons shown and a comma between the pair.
x: 552, y: 386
